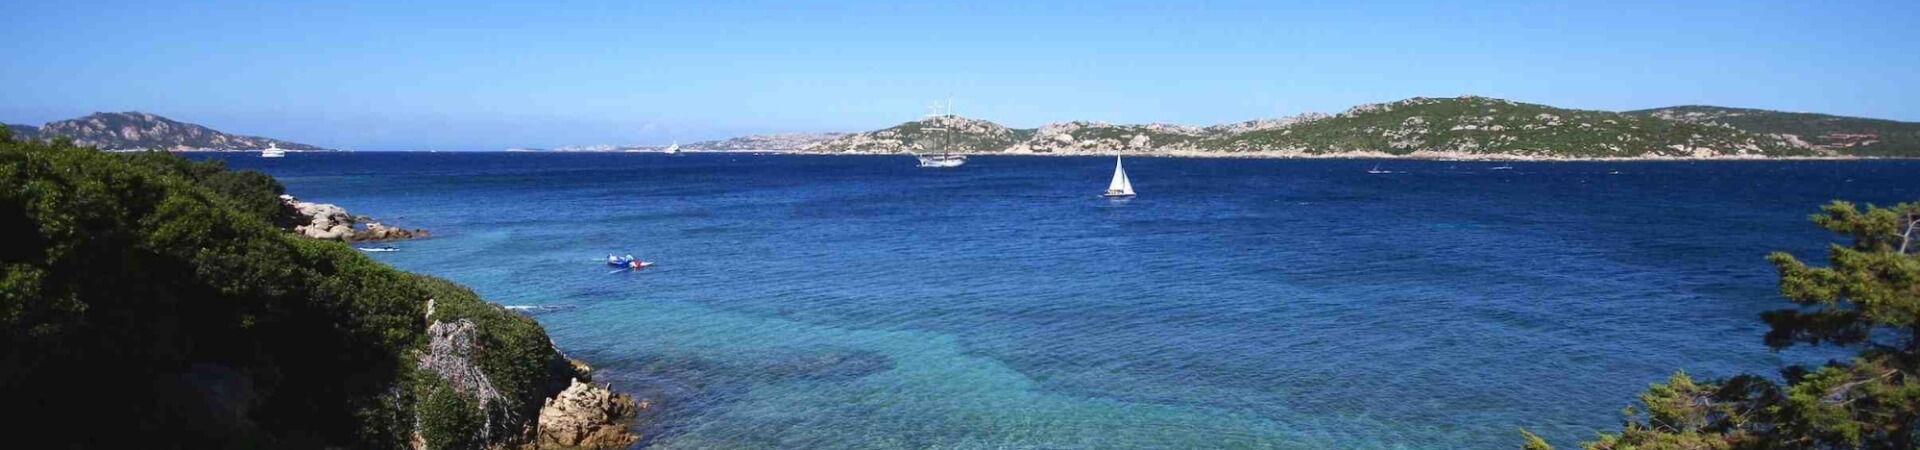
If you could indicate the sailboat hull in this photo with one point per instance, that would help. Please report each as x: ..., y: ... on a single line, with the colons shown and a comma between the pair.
x: 942, y: 162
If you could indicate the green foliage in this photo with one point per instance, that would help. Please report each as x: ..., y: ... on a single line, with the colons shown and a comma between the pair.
x: 1867, y: 298
x: 514, y: 351
x: 1533, y: 442
x: 124, y: 275
x: 449, y: 419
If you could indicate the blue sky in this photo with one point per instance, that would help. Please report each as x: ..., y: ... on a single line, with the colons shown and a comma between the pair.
x: 457, y: 75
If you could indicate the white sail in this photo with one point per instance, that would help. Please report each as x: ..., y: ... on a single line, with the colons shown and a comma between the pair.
x: 1120, y: 186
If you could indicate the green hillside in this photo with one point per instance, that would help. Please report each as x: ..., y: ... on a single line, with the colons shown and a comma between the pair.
x: 1468, y: 126
x: 1845, y: 135
x: 146, y: 300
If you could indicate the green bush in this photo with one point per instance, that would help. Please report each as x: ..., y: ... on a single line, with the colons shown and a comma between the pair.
x: 135, y: 287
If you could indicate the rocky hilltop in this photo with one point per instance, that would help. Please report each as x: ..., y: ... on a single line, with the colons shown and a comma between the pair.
x: 770, y: 142
x: 137, y: 130
x: 928, y: 135
x: 1467, y: 127
x: 1828, y: 133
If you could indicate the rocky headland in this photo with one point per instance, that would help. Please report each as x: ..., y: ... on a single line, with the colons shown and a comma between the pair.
x: 133, y: 130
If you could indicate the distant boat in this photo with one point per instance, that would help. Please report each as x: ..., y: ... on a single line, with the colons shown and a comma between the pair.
x: 1120, y: 187
x: 944, y: 159
x: 628, y: 262
x: 1502, y: 167
x: 1376, y: 170
x: 388, y: 248
x: 673, y: 149
x: 273, y: 151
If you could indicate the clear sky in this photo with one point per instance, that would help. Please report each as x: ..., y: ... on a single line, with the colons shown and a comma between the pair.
x: 464, y: 75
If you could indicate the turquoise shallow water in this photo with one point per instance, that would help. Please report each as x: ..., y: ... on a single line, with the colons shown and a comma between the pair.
x: 858, y: 302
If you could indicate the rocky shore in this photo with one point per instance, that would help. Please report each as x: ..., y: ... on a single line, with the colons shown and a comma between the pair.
x: 587, y: 416
x: 581, y: 415
x: 331, y: 222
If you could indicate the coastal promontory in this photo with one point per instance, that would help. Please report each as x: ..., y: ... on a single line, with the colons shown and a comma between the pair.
x: 134, y: 130
x: 148, y: 300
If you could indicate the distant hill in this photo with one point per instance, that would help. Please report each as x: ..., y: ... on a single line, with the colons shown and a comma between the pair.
x: 1480, y: 126
x: 1458, y: 127
x: 775, y: 142
x: 24, y: 131
x: 928, y: 135
x: 138, y: 130
x: 1845, y: 135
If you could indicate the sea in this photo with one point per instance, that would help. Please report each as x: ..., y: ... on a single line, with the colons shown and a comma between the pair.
x: 859, y: 302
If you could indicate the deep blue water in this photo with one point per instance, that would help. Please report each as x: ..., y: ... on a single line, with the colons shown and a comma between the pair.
x: 861, y: 303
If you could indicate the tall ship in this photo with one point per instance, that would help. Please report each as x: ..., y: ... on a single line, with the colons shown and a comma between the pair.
x: 944, y: 158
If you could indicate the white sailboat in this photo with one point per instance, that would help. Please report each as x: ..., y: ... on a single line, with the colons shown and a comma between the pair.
x: 1120, y: 186
x: 1376, y: 170
x: 273, y: 151
x: 942, y: 159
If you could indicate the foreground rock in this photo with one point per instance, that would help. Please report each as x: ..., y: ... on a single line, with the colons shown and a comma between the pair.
x: 588, y: 416
x: 331, y: 222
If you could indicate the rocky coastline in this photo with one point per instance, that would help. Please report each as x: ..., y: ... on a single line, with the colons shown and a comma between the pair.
x: 576, y: 415
x: 327, y: 221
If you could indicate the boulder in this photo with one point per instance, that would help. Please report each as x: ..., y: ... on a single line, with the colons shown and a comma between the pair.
x: 587, y: 416
x: 331, y: 222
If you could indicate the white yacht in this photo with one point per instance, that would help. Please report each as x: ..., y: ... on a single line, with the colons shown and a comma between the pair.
x: 672, y: 149
x: 273, y: 151
x: 942, y: 160
x: 1120, y: 187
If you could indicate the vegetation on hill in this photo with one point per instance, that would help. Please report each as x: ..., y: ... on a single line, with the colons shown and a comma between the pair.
x: 1468, y: 126
x: 1867, y: 298
x: 137, y: 130
x: 146, y: 299
x: 1461, y: 127
x: 1846, y: 135
x: 931, y: 135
